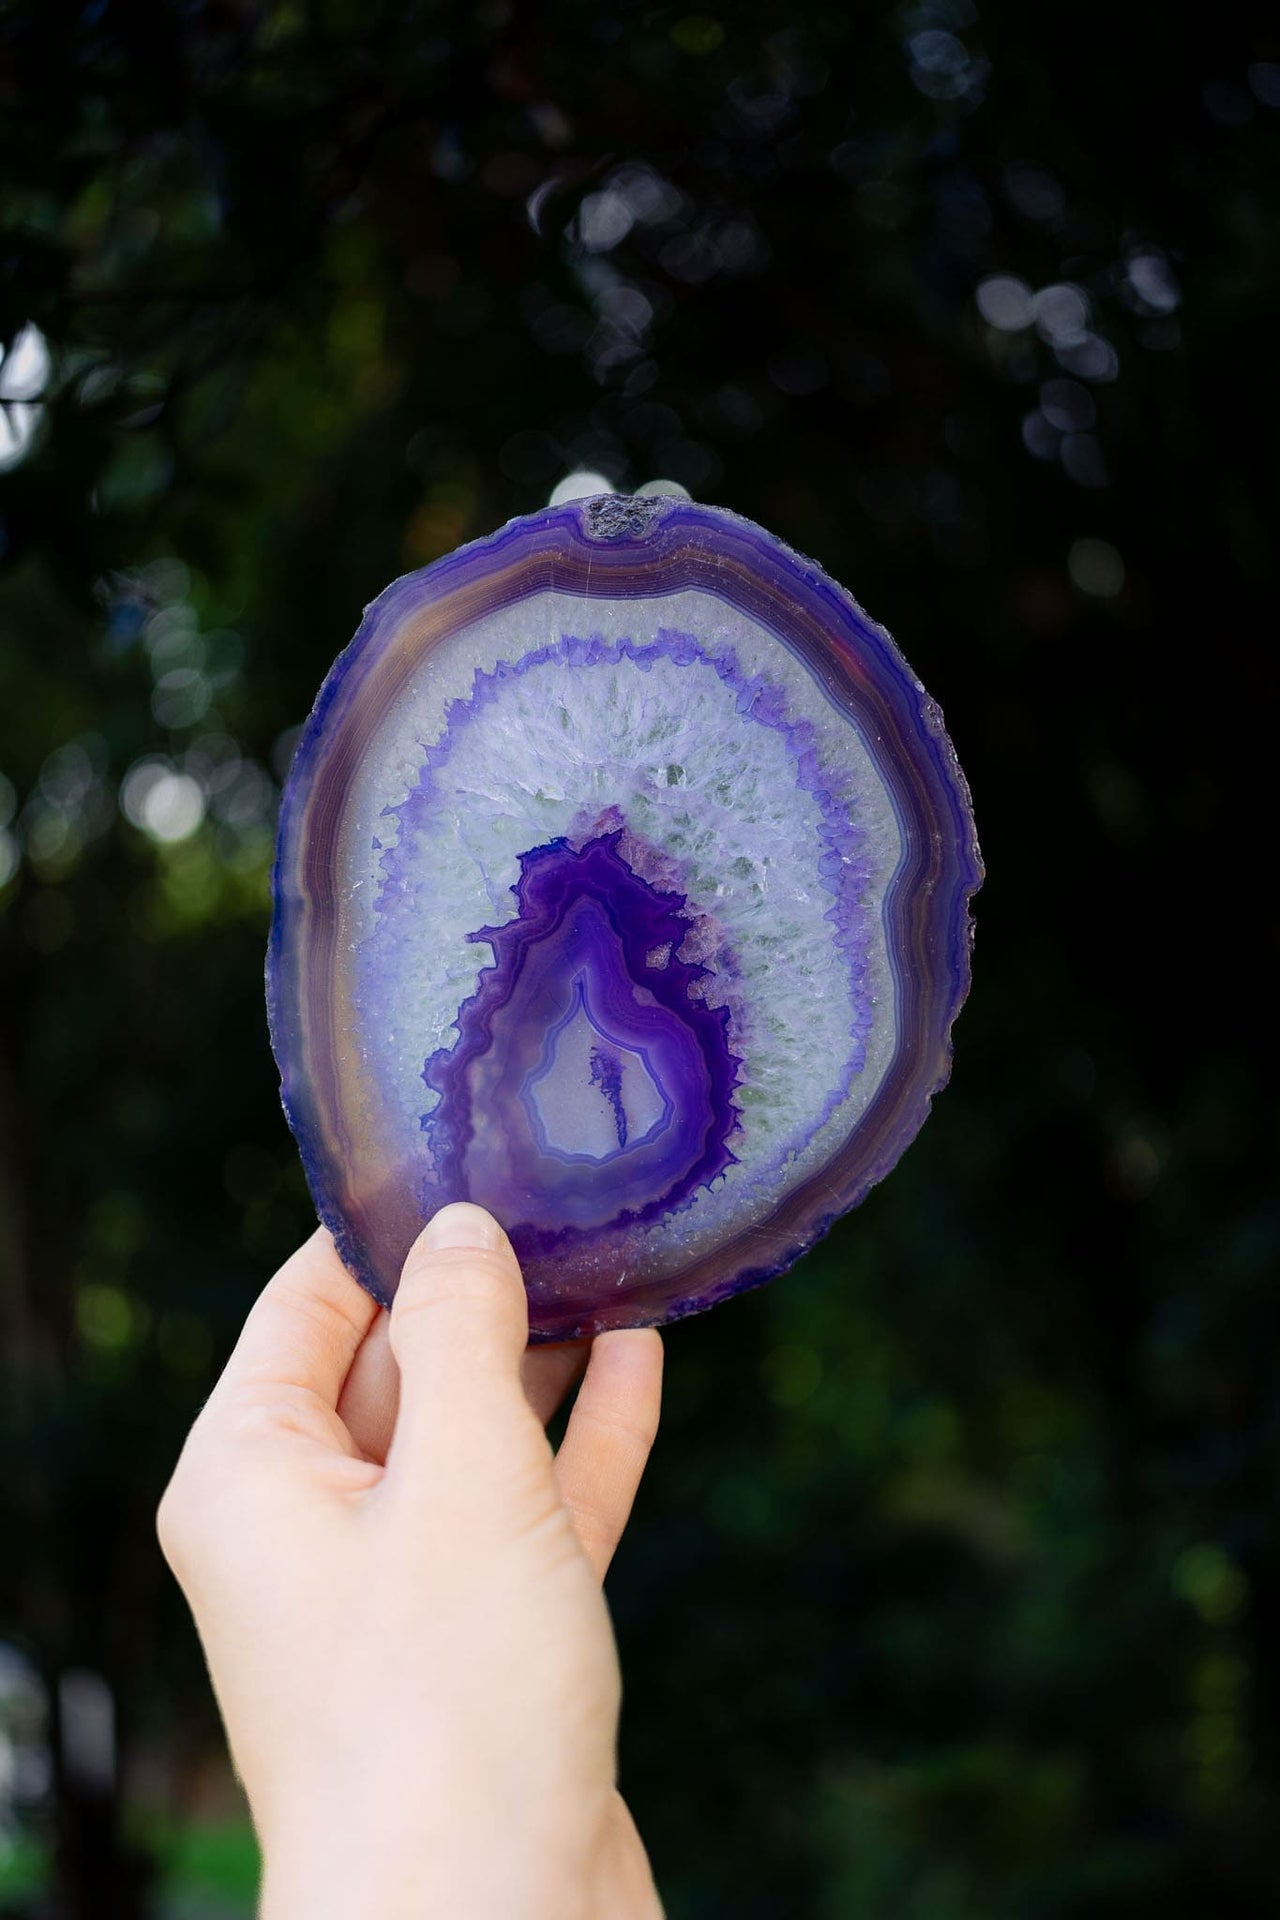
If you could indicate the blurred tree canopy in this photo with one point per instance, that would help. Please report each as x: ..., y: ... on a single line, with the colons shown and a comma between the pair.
x: 953, y: 1594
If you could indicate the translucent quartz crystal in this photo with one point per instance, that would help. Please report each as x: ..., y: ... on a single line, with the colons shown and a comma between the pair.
x: 622, y: 887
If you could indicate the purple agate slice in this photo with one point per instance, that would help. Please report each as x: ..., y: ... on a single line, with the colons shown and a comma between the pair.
x: 622, y: 886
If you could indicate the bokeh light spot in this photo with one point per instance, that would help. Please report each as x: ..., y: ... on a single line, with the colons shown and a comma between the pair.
x: 1096, y: 568
x: 165, y: 804
x: 1209, y: 1580
x: 1005, y: 302
x: 580, y: 485
x: 106, y: 1318
x: 698, y: 34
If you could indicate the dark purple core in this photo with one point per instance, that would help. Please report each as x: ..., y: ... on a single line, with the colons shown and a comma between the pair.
x: 590, y: 1084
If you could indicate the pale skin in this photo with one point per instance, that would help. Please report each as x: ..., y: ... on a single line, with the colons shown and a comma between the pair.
x: 398, y: 1589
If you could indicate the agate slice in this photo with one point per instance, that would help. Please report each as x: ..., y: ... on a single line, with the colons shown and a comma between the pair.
x: 622, y: 887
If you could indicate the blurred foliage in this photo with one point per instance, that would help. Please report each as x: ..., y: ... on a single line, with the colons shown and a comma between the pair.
x: 953, y: 1592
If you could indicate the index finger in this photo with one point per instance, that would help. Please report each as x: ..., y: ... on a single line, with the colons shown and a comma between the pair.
x: 305, y: 1326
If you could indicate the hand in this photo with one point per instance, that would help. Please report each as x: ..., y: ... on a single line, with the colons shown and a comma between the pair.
x: 398, y: 1590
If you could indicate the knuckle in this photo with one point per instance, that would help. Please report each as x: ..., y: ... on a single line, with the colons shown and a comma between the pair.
x: 328, y: 1310
x: 260, y: 1417
x: 633, y: 1435
x: 173, y: 1529
x: 249, y: 1421
x: 598, y: 1535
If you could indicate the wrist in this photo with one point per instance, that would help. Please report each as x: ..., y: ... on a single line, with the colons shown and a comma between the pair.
x: 347, y: 1866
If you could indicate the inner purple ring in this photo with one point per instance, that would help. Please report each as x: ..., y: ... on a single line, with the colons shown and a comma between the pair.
x: 592, y: 942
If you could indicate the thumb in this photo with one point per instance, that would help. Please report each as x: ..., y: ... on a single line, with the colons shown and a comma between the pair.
x: 459, y: 1327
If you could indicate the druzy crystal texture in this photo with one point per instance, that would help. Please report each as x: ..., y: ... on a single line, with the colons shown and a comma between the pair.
x: 623, y: 887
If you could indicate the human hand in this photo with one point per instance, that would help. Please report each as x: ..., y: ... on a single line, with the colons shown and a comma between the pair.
x: 398, y: 1590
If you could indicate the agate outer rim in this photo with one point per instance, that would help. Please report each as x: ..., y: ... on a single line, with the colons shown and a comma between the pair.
x: 686, y: 536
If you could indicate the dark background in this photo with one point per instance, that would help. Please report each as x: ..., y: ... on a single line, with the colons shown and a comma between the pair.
x: 952, y: 1594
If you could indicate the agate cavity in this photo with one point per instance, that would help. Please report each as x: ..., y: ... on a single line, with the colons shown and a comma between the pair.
x: 622, y: 887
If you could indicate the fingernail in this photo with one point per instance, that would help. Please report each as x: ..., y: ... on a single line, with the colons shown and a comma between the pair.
x: 461, y: 1225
